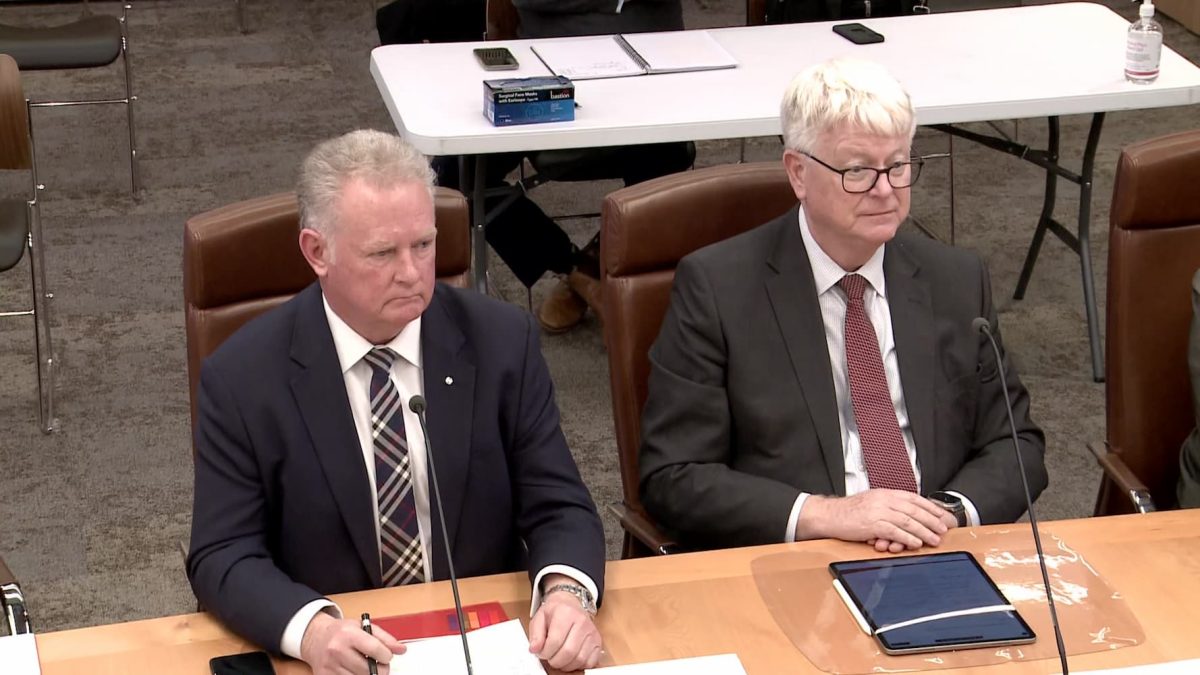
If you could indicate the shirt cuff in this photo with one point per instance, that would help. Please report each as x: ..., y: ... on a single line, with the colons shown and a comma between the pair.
x: 972, y: 512
x: 790, y: 535
x: 566, y: 570
x: 294, y: 633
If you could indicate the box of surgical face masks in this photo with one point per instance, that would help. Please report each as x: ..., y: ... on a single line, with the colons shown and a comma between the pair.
x: 528, y: 100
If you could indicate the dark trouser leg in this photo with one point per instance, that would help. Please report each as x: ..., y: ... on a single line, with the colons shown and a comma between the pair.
x: 528, y: 241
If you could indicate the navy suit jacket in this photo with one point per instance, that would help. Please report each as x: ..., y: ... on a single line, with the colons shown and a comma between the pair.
x: 283, y: 511
x: 741, y: 414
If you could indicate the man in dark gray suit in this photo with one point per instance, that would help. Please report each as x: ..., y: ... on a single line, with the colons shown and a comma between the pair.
x: 819, y: 376
x: 1189, y: 457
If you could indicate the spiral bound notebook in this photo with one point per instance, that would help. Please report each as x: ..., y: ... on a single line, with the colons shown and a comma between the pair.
x: 606, y: 56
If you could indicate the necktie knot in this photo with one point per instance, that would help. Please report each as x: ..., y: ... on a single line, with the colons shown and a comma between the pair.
x: 854, y: 285
x: 381, y: 359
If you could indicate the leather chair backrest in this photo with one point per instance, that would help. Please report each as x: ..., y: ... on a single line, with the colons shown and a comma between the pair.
x: 242, y: 259
x: 14, y: 124
x: 645, y: 230
x: 1154, y: 249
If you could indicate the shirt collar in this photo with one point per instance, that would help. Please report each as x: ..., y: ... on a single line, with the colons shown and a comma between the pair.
x: 352, y: 347
x: 827, y: 273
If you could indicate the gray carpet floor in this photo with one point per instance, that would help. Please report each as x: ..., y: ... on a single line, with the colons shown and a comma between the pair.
x: 90, y: 517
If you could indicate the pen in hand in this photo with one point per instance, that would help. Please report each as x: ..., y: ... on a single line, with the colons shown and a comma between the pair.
x: 372, y: 668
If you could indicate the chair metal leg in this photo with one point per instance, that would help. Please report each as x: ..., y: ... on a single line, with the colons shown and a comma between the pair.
x: 241, y: 16
x: 134, y: 171
x: 43, y: 343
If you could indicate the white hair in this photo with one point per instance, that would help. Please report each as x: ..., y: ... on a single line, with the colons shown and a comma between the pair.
x: 380, y: 159
x: 859, y: 94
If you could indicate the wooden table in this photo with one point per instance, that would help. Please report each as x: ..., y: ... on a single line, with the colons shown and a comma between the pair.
x: 707, y: 603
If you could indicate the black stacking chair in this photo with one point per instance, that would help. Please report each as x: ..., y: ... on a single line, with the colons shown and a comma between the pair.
x: 20, y: 229
x: 93, y: 41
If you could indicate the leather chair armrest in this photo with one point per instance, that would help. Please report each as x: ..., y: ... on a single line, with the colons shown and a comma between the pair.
x: 12, y: 601
x: 1119, y: 472
x: 644, y: 530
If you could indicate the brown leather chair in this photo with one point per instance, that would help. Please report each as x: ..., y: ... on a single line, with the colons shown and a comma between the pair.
x: 644, y: 231
x: 242, y: 259
x: 12, y: 603
x: 1153, y: 251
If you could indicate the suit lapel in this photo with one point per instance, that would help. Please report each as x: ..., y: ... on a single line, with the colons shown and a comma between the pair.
x: 911, y: 308
x: 793, y: 298
x: 320, y: 393
x: 449, y: 379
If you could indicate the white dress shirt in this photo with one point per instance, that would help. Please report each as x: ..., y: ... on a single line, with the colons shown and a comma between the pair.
x: 409, y: 380
x: 832, y: 299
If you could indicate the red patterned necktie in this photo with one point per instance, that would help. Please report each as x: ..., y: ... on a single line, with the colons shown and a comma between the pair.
x: 400, y: 555
x: 879, y: 435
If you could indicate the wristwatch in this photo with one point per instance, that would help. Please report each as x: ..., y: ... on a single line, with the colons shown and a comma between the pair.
x: 582, y: 594
x: 954, y: 504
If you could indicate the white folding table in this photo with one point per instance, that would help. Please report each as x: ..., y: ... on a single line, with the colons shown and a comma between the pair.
x: 1022, y: 62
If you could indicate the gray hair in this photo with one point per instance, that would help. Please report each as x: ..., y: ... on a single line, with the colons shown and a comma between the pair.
x: 380, y: 159
x: 853, y: 92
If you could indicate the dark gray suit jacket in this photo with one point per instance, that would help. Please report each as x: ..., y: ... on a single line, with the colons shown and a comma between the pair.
x: 741, y: 415
x: 1189, y: 458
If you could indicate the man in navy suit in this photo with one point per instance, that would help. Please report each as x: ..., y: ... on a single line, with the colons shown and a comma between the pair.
x: 311, y: 476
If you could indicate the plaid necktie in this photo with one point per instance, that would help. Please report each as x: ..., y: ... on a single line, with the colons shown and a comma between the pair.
x: 400, y: 556
x: 878, y: 431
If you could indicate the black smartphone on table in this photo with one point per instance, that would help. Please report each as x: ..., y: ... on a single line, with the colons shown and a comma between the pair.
x: 496, y: 58
x: 251, y: 663
x: 858, y: 33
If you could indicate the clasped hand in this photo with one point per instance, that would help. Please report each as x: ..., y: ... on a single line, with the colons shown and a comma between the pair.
x: 889, y: 520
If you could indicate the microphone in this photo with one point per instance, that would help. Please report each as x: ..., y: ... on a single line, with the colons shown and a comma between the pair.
x: 417, y: 405
x: 982, y: 325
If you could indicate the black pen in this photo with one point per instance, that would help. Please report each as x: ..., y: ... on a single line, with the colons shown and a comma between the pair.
x: 372, y: 668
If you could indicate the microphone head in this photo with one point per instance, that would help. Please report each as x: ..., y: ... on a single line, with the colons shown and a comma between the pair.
x: 981, y: 325
x: 417, y: 404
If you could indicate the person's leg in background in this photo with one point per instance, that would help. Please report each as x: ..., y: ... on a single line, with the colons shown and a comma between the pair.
x: 531, y: 243
x: 528, y: 241
x: 633, y: 164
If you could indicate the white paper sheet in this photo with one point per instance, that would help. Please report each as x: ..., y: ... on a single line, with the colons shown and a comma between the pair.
x: 500, y: 649
x: 18, y: 655
x: 589, y: 58
x: 723, y: 664
x: 1189, y: 667
x: 680, y: 51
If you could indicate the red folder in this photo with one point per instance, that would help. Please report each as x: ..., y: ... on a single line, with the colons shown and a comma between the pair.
x: 440, y: 622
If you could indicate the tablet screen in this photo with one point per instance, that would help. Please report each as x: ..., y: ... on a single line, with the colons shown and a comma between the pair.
x: 900, y: 599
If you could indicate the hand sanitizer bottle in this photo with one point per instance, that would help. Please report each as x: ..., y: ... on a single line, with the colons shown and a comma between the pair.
x: 1143, y: 47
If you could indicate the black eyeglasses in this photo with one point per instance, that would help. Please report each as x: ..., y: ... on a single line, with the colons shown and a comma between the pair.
x: 859, y: 179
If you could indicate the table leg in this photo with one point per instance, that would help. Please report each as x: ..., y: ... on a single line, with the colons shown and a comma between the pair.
x: 1085, y: 251
x: 1046, y: 220
x: 474, y: 172
x: 1078, y: 240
